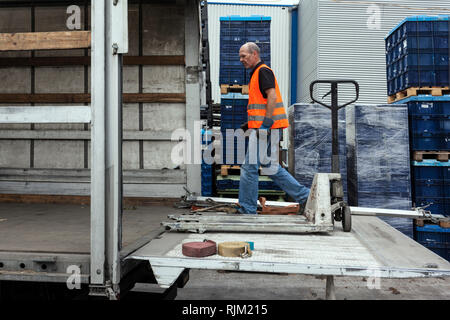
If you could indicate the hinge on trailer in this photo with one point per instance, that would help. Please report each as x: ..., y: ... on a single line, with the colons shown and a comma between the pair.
x: 106, y: 291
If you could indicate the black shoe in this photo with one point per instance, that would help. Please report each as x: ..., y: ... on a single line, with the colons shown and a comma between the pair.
x: 302, y: 208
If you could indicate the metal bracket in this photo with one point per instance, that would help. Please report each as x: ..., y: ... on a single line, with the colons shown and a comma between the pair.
x: 119, y: 27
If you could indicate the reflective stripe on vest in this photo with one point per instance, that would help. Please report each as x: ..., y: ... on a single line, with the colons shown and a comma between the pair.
x: 257, y: 104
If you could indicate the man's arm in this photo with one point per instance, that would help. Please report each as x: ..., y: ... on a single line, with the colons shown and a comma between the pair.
x: 271, y: 102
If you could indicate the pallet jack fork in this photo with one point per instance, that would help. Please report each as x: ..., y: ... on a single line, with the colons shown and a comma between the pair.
x: 319, y: 215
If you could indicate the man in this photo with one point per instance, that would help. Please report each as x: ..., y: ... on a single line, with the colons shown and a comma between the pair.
x: 266, y: 113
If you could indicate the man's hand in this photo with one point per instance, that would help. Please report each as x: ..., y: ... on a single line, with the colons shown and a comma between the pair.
x: 244, y: 126
x: 267, y: 124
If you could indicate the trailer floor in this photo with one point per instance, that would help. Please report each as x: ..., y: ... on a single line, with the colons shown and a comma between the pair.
x: 66, y: 228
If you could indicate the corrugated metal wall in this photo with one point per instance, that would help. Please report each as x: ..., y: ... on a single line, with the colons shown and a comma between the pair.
x: 350, y: 41
x: 307, y: 59
x: 280, y: 38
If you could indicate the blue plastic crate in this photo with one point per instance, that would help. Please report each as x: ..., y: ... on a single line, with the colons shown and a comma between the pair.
x: 232, y: 27
x: 234, y: 184
x: 230, y: 47
x: 432, y: 185
x: 233, y: 111
x: 255, y: 37
x: 258, y: 24
x: 422, y: 77
x: 245, y: 18
x: 430, y: 124
x: 232, y: 60
x: 232, y: 75
x: 427, y: 105
x: 430, y: 142
x: 207, y: 179
x: 436, y: 205
x: 418, y: 26
x: 435, y: 238
x: 426, y: 189
x: 231, y: 145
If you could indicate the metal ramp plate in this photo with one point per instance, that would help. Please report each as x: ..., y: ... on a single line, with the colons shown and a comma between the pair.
x: 372, y: 249
x: 222, y: 222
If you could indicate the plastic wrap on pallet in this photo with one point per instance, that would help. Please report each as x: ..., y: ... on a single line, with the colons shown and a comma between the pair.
x: 311, y: 142
x: 378, y: 165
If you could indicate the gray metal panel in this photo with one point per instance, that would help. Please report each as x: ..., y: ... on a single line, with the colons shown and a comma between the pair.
x: 351, y: 44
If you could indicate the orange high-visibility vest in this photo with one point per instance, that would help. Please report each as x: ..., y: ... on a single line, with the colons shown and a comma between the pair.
x: 256, y: 108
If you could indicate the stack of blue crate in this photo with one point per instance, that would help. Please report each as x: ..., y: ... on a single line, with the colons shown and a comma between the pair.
x: 378, y: 165
x: 233, y: 113
x: 206, y: 169
x: 234, y: 32
x: 310, y: 135
x: 432, y: 185
x: 417, y: 52
x: 429, y: 123
x: 435, y: 238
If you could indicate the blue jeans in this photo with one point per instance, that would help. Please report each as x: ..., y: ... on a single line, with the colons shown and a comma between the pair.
x: 264, y: 154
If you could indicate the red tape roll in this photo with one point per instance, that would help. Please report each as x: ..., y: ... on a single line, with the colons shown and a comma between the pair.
x: 199, y: 249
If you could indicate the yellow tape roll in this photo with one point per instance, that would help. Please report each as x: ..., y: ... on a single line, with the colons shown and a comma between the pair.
x: 234, y: 249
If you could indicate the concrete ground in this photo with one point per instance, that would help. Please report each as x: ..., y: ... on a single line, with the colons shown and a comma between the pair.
x: 215, y: 285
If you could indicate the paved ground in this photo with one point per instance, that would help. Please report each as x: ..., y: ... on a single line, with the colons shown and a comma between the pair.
x: 206, y: 284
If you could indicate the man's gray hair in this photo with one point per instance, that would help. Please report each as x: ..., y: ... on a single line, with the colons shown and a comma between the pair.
x: 252, y: 47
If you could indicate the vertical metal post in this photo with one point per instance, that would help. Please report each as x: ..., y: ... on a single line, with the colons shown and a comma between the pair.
x: 109, y: 40
x: 193, y: 69
x: 330, y: 291
x: 113, y: 159
x: 334, y: 128
x: 98, y: 142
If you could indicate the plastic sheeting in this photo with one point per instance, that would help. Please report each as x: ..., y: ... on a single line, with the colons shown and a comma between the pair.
x: 378, y: 159
x: 311, y: 142
x: 373, y: 153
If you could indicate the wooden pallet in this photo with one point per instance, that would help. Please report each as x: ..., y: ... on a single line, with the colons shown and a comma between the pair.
x: 443, y: 223
x: 434, y: 155
x: 225, y: 88
x: 226, y: 170
x: 415, y: 91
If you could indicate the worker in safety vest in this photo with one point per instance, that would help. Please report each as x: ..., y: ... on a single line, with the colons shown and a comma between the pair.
x: 267, y: 115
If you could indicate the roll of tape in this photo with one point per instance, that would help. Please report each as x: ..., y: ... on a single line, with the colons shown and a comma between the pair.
x: 234, y: 249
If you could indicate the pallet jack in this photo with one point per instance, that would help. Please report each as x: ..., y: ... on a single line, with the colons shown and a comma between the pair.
x: 324, y: 206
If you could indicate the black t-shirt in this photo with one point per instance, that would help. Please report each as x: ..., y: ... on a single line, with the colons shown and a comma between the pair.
x: 266, y: 79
